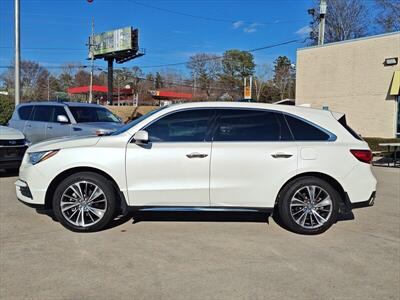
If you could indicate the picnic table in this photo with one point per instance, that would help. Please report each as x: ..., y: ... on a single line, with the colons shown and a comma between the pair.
x: 392, y: 146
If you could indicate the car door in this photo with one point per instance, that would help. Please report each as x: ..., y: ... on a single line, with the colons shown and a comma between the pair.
x: 35, y: 128
x: 173, y: 168
x: 56, y: 129
x: 253, y: 154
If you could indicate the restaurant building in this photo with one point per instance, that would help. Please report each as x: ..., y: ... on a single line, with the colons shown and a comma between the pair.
x: 359, y: 77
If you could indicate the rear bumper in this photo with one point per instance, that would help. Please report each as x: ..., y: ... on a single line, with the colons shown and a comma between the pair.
x: 367, y: 203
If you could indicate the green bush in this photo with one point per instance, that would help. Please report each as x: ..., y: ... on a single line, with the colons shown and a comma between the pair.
x: 374, y: 142
x: 6, y: 108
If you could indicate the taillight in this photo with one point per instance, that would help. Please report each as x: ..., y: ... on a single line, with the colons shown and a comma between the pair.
x: 363, y: 155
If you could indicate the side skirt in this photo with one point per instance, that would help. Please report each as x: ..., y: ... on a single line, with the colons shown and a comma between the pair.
x: 201, y: 209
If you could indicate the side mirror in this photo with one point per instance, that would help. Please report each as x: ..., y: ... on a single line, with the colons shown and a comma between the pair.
x: 141, y: 137
x: 62, y: 119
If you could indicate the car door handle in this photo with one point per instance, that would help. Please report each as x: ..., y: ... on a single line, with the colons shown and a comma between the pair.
x: 196, y: 155
x: 28, y: 125
x: 281, y: 155
x: 76, y: 129
x: 49, y: 127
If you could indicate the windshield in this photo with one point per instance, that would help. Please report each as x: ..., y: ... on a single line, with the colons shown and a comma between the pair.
x: 137, y: 121
x: 87, y: 114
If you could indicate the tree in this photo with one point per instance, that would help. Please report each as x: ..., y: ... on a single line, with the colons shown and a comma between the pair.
x: 263, y: 73
x: 6, y: 108
x: 66, y: 77
x: 33, y: 80
x: 284, y: 77
x: 236, y: 65
x: 388, y: 17
x: 158, y: 81
x: 205, y: 69
x: 345, y: 19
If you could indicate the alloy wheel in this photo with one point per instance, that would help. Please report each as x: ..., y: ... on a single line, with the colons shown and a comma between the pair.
x: 83, y: 204
x: 311, y: 207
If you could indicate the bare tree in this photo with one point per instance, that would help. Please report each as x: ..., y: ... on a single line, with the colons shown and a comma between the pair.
x: 262, y: 75
x: 388, y: 17
x: 284, y: 77
x: 345, y: 19
x: 205, y: 69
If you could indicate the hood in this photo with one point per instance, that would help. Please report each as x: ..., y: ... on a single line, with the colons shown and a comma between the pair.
x: 8, y: 133
x: 101, y: 125
x: 63, y: 143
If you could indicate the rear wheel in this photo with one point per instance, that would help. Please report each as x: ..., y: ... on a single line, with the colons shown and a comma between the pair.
x: 308, y: 205
x: 84, y: 202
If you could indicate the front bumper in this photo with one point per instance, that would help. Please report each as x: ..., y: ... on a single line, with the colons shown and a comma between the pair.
x: 11, y: 157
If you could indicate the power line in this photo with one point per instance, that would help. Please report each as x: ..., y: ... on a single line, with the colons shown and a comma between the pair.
x: 210, y: 18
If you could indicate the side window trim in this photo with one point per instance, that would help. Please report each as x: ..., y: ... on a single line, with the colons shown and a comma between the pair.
x: 211, y: 123
x: 332, y: 137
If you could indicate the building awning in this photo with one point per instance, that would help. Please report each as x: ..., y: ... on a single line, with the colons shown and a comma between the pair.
x: 85, y: 89
x: 395, y: 89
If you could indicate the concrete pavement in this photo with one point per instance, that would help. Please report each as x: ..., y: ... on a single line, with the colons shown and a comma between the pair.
x: 180, y: 256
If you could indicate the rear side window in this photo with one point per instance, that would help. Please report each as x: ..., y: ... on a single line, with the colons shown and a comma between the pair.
x: 25, y: 112
x: 183, y: 126
x: 304, y: 131
x: 43, y: 113
x: 343, y: 122
x: 250, y: 125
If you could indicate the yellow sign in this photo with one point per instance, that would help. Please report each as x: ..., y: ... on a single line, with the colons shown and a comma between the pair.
x: 247, y: 92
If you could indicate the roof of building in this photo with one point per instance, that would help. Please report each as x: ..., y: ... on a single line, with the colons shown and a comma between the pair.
x: 351, y: 40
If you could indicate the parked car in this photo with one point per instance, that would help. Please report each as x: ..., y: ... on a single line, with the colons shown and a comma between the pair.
x: 12, y: 148
x: 48, y: 120
x: 306, y: 165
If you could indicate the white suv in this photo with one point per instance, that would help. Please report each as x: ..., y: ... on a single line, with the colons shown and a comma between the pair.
x: 306, y: 165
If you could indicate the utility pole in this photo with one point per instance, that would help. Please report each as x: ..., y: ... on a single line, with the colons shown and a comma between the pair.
x: 91, y: 45
x: 322, y: 13
x: 110, y: 79
x: 17, y: 80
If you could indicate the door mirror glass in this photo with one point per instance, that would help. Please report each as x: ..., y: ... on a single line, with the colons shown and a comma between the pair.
x: 141, y: 137
x: 62, y: 119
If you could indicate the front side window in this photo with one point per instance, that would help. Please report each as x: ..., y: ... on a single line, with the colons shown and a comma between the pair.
x: 85, y: 114
x: 25, y: 112
x: 58, y: 111
x: 304, y: 131
x: 250, y: 125
x: 183, y: 126
x: 43, y: 113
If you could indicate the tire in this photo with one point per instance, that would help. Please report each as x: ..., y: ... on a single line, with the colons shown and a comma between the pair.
x: 300, y: 214
x: 84, y: 202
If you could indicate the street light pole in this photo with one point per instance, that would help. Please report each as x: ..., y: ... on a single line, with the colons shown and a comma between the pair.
x: 91, y: 63
x: 322, y: 13
x: 17, y: 79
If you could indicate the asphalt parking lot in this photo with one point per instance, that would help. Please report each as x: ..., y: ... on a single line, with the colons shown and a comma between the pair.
x: 186, y: 256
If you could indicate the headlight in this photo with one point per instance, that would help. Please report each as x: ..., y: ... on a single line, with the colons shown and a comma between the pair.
x: 37, y: 157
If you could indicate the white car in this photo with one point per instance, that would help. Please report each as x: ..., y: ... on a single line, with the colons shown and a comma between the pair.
x: 304, y: 164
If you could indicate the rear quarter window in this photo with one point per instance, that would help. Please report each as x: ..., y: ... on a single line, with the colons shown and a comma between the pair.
x: 304, y: 131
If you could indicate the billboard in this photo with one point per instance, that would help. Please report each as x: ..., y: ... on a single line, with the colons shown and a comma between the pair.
x: 119, y: 40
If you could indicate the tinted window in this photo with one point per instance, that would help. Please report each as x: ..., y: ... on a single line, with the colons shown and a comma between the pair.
x: 24, y: 112
x: 250, y: 125
x: 86, y: 114
x: 303, y: 131
x: 42, y: 113
x: 184, y: 126
x: 58, y: 110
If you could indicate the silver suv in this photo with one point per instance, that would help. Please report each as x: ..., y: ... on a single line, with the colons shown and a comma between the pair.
x: 47, y: 120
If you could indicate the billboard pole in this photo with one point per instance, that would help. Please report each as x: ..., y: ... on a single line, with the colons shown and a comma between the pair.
x: 17, y: 79
x: 91, y: 63
x: 110, y: 79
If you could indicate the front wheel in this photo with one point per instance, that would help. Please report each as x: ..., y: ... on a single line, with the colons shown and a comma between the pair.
x: 84, y: 202
x: 308, y: 205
